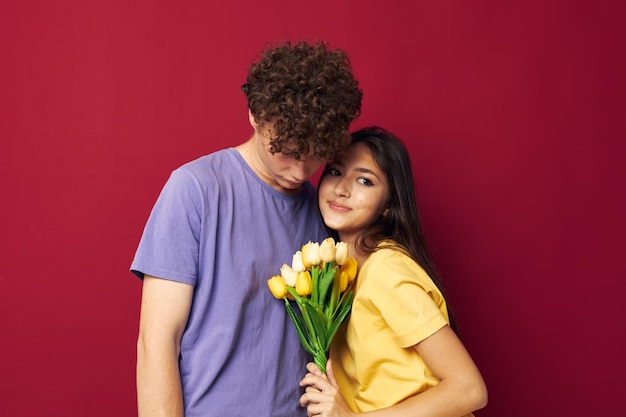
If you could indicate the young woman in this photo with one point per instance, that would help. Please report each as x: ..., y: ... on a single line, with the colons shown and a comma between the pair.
x: 397, y: 354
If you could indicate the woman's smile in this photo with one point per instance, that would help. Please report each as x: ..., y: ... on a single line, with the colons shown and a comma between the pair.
x: 353, y: 193
x: 338, y: 207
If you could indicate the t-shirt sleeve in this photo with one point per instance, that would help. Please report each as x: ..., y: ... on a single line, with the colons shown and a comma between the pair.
x: 406, y: 298
x: 169, y: 245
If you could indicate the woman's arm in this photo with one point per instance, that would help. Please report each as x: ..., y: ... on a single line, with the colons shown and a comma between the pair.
x: 461, y: 389
x: 165, y: 309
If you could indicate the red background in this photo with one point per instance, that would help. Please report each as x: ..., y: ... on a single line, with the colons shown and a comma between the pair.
x: 513, y: 113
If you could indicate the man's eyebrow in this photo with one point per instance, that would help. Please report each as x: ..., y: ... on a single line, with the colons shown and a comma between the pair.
x: 291, y: 152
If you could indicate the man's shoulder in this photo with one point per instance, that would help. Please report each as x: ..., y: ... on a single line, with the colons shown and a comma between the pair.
x: 226, y: 155
x: 216, y: 163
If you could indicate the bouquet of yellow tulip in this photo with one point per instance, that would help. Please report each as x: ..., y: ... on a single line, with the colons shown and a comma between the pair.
x: 320, y: 280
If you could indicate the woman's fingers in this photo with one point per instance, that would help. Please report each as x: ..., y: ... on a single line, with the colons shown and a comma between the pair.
x: 315, y: 381
x: 312, y: 368
x: 331, y: 374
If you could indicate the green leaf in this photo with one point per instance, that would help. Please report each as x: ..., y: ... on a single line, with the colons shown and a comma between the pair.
x: 343, y: 311
x: 306, y: 322
x: 319, y: 324
x: 334, y: 297
x: 326, y: 280
x: 300, y: 327
x: 315, y: 279
x: 348, y: 292
x: 320, y: 360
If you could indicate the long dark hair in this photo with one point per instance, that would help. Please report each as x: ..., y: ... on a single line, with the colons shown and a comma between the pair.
x: 401, y: 224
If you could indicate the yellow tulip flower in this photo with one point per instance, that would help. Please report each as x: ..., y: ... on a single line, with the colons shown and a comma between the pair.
x: 297, y: 262
x: 303, y: 283
x: 349, y: 268
x: 311, y: 254
x: 328, y: 250
x: 343, y: 281
x: 342, y: 253
x: 289, y: 275
x: 277, y: 286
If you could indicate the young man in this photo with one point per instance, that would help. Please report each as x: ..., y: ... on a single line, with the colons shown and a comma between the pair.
x: 213, y: 341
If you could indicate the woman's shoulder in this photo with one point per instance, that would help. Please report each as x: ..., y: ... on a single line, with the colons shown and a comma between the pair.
x: 389, y: 261
x: 389, y: 251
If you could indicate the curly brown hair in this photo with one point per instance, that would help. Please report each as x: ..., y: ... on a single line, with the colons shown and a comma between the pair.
x: 309, y: 95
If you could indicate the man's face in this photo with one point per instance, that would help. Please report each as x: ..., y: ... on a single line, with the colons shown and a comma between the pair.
x: 282, y: 171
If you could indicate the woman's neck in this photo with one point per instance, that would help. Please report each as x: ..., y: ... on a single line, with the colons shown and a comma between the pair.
x: 353, y: 251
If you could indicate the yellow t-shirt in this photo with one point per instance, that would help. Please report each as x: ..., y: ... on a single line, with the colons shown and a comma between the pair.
x: 396, y: 306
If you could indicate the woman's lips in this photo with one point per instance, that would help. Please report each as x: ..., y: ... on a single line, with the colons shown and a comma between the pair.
x: 337, y: 207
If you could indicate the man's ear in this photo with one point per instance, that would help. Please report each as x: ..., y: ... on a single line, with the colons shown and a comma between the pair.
x: 253, y: 122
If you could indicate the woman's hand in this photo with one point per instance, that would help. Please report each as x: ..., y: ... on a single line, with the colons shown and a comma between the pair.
x: 321, y: 396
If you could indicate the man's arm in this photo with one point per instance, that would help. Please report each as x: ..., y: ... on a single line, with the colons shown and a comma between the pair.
x: 165, y: 309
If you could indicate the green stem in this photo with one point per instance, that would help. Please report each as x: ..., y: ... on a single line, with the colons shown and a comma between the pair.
x: 320, y: 360
x: 315, y: 278
x: 307, y: 319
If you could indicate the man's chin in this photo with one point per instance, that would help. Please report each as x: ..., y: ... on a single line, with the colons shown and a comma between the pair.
x: 291, y: 185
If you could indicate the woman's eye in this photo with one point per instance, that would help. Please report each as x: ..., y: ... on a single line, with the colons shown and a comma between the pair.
x: 365, y: 181
x: 334, y: 172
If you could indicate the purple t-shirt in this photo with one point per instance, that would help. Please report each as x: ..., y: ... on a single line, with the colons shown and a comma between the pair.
x: 219, y: 227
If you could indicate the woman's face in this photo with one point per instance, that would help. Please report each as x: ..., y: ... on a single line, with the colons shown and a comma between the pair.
x: 353, y: 193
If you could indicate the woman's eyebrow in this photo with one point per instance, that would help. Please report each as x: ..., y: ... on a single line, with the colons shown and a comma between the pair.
x: 336, y: 163
x: 367, y: 171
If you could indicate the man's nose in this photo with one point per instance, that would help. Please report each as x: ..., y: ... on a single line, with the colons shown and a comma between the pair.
x: 303, y: 170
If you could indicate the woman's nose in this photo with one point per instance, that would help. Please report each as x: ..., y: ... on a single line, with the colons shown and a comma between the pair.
x: 341, y: 188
